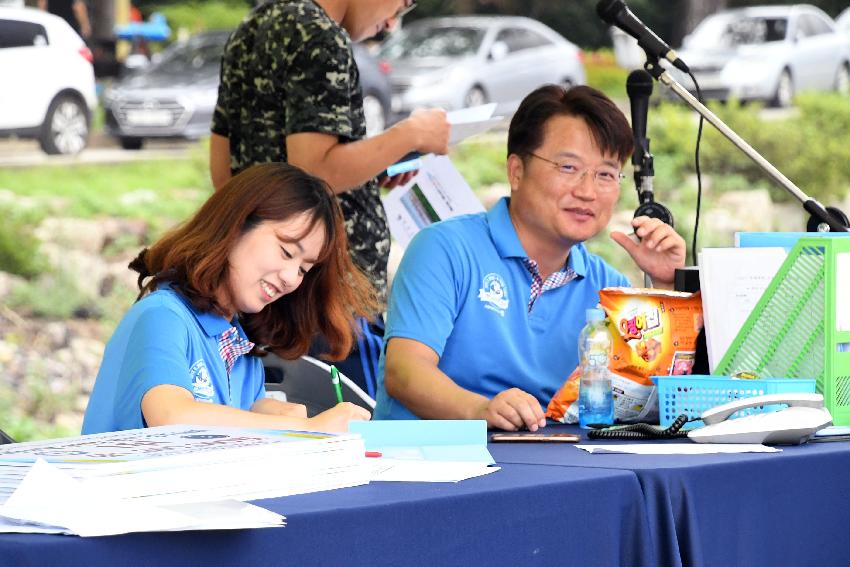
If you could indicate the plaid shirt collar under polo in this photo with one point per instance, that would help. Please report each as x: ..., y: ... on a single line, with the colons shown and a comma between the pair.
x: 508, y: 245
x: 232, y: 341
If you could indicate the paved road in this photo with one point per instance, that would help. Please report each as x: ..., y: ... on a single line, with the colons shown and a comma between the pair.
x: 102, y: 149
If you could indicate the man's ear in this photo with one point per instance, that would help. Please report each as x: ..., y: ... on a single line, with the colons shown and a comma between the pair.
x: 516, y: 169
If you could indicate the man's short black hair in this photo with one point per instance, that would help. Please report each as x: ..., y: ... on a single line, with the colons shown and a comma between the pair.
x: 608, y: 125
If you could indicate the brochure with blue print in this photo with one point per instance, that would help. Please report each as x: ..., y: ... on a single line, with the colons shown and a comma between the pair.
x: 171, y: 441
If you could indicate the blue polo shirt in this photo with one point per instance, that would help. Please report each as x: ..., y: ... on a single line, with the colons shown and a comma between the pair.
x: 163, y: 339
x: 462, y: 289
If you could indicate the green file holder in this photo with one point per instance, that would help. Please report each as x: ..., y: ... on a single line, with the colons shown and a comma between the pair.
x: 792, y: 332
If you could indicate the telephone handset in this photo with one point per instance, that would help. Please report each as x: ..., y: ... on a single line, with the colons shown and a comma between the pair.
x: 793, y: 425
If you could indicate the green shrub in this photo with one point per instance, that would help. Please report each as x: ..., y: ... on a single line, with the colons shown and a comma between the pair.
x: 196, y: 16
x: 604, y: 74
x: 26, y: 415
x: 53, y: 295
x: 481, y: 161
x: 18, y: 247
x: 809, y: 147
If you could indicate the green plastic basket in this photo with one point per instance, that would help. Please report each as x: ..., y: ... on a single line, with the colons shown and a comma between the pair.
x: 792, y: 332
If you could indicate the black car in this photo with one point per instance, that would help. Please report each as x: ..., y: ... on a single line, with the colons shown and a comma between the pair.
x: 175, y: 97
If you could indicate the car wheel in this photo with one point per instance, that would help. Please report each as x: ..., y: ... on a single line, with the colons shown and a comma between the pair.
x: 475, y: 97
x: 66, y: 126
x: 132, y: 143
x: 375, y: 116
x: 842, y: 80
x: 783, y: 97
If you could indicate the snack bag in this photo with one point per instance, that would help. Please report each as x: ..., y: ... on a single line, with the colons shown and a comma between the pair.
x: 655, y: 334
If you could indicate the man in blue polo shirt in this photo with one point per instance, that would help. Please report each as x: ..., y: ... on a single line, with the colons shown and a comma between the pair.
x: 164, y: 340
x: 485, y: 310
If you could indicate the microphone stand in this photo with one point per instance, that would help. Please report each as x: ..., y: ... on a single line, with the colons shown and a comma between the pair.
x: 644, y: 173
x: 812, y: 206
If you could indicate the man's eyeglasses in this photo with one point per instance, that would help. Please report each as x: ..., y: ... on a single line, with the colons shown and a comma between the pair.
x: 605, y: 178
x: 404, y: 10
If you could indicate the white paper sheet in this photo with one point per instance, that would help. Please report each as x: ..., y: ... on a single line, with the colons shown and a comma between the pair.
x: 732, y: 280
x: 427, y: 471
x: 679, y: 448
x: 472, y: 114
x: 49, y: 498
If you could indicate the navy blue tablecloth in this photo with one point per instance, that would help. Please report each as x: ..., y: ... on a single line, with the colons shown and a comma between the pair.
x: 790, y: 508
x: 521, y: 515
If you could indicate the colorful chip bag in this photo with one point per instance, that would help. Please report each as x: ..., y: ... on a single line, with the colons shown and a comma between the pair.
x: 655, y: 334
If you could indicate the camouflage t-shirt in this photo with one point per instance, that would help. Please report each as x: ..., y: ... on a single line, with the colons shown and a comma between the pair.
x: 289, y: 68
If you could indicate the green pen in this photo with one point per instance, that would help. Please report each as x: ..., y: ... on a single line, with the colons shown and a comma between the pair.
x: 335, y: 382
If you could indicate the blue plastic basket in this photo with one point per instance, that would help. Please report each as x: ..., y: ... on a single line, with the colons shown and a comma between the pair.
x: 692, y: 395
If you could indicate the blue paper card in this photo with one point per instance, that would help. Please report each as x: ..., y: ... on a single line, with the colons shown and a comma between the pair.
x: 429, y: 440
x: 785, y: 240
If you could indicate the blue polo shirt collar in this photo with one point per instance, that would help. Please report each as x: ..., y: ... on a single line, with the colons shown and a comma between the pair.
x: 213, y: 324
x: 507, y: 243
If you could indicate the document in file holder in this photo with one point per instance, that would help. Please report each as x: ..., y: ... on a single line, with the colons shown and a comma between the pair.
x: 732, y: 280
x: 799, y: 328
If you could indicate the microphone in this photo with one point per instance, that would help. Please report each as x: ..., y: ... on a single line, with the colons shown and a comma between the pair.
x: 639, y: 89
x: 616, y: 13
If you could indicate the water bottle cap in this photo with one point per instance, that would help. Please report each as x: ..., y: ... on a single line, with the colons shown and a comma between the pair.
x: 594, y: 314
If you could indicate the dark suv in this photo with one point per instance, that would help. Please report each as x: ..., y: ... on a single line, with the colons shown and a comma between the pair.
x: 176, y: 96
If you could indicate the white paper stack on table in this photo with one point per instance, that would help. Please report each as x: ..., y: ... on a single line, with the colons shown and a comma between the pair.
x: 732, y: 281
x: 173, y: 477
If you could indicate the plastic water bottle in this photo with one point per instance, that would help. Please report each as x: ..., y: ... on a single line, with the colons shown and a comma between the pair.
x: 595, y: 398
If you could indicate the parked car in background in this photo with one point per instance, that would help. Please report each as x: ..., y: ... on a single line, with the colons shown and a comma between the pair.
x: 462, y: 61
x: 766, y: 53
x: 175, y: 97
x: 171, y: 98
x: 842, y: 21
x: 377, y: 91
x: 48, y: 87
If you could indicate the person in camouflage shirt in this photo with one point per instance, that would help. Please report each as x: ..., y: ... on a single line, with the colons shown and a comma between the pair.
x: 290, y: 91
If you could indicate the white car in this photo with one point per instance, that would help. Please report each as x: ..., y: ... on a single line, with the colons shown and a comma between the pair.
x: 460, y: 61
x: 766, y: 53
x: 48, y: 90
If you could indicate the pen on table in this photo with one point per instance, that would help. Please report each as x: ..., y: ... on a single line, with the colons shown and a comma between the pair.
x: 335, y: 382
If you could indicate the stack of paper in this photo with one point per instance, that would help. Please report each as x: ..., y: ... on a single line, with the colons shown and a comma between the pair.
x: 427, y: 450
x: 172, y: 477
x: 732, y: 280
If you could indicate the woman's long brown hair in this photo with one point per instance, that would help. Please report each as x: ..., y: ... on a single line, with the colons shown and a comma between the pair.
x: 194, y: 257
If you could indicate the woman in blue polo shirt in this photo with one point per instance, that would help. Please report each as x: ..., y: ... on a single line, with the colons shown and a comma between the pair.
x: 261, y: 267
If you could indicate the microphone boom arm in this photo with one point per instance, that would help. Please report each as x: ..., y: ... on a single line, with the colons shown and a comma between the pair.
x: 812, y: 206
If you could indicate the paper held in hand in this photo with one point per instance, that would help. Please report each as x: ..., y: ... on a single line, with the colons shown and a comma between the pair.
x: 437, y: 192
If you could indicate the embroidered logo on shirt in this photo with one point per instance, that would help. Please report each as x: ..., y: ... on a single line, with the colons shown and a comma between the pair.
x: 494, y: 293
x: 202, y: 387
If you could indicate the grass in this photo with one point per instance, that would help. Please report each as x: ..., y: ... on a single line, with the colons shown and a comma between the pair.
x: 159, y: 192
